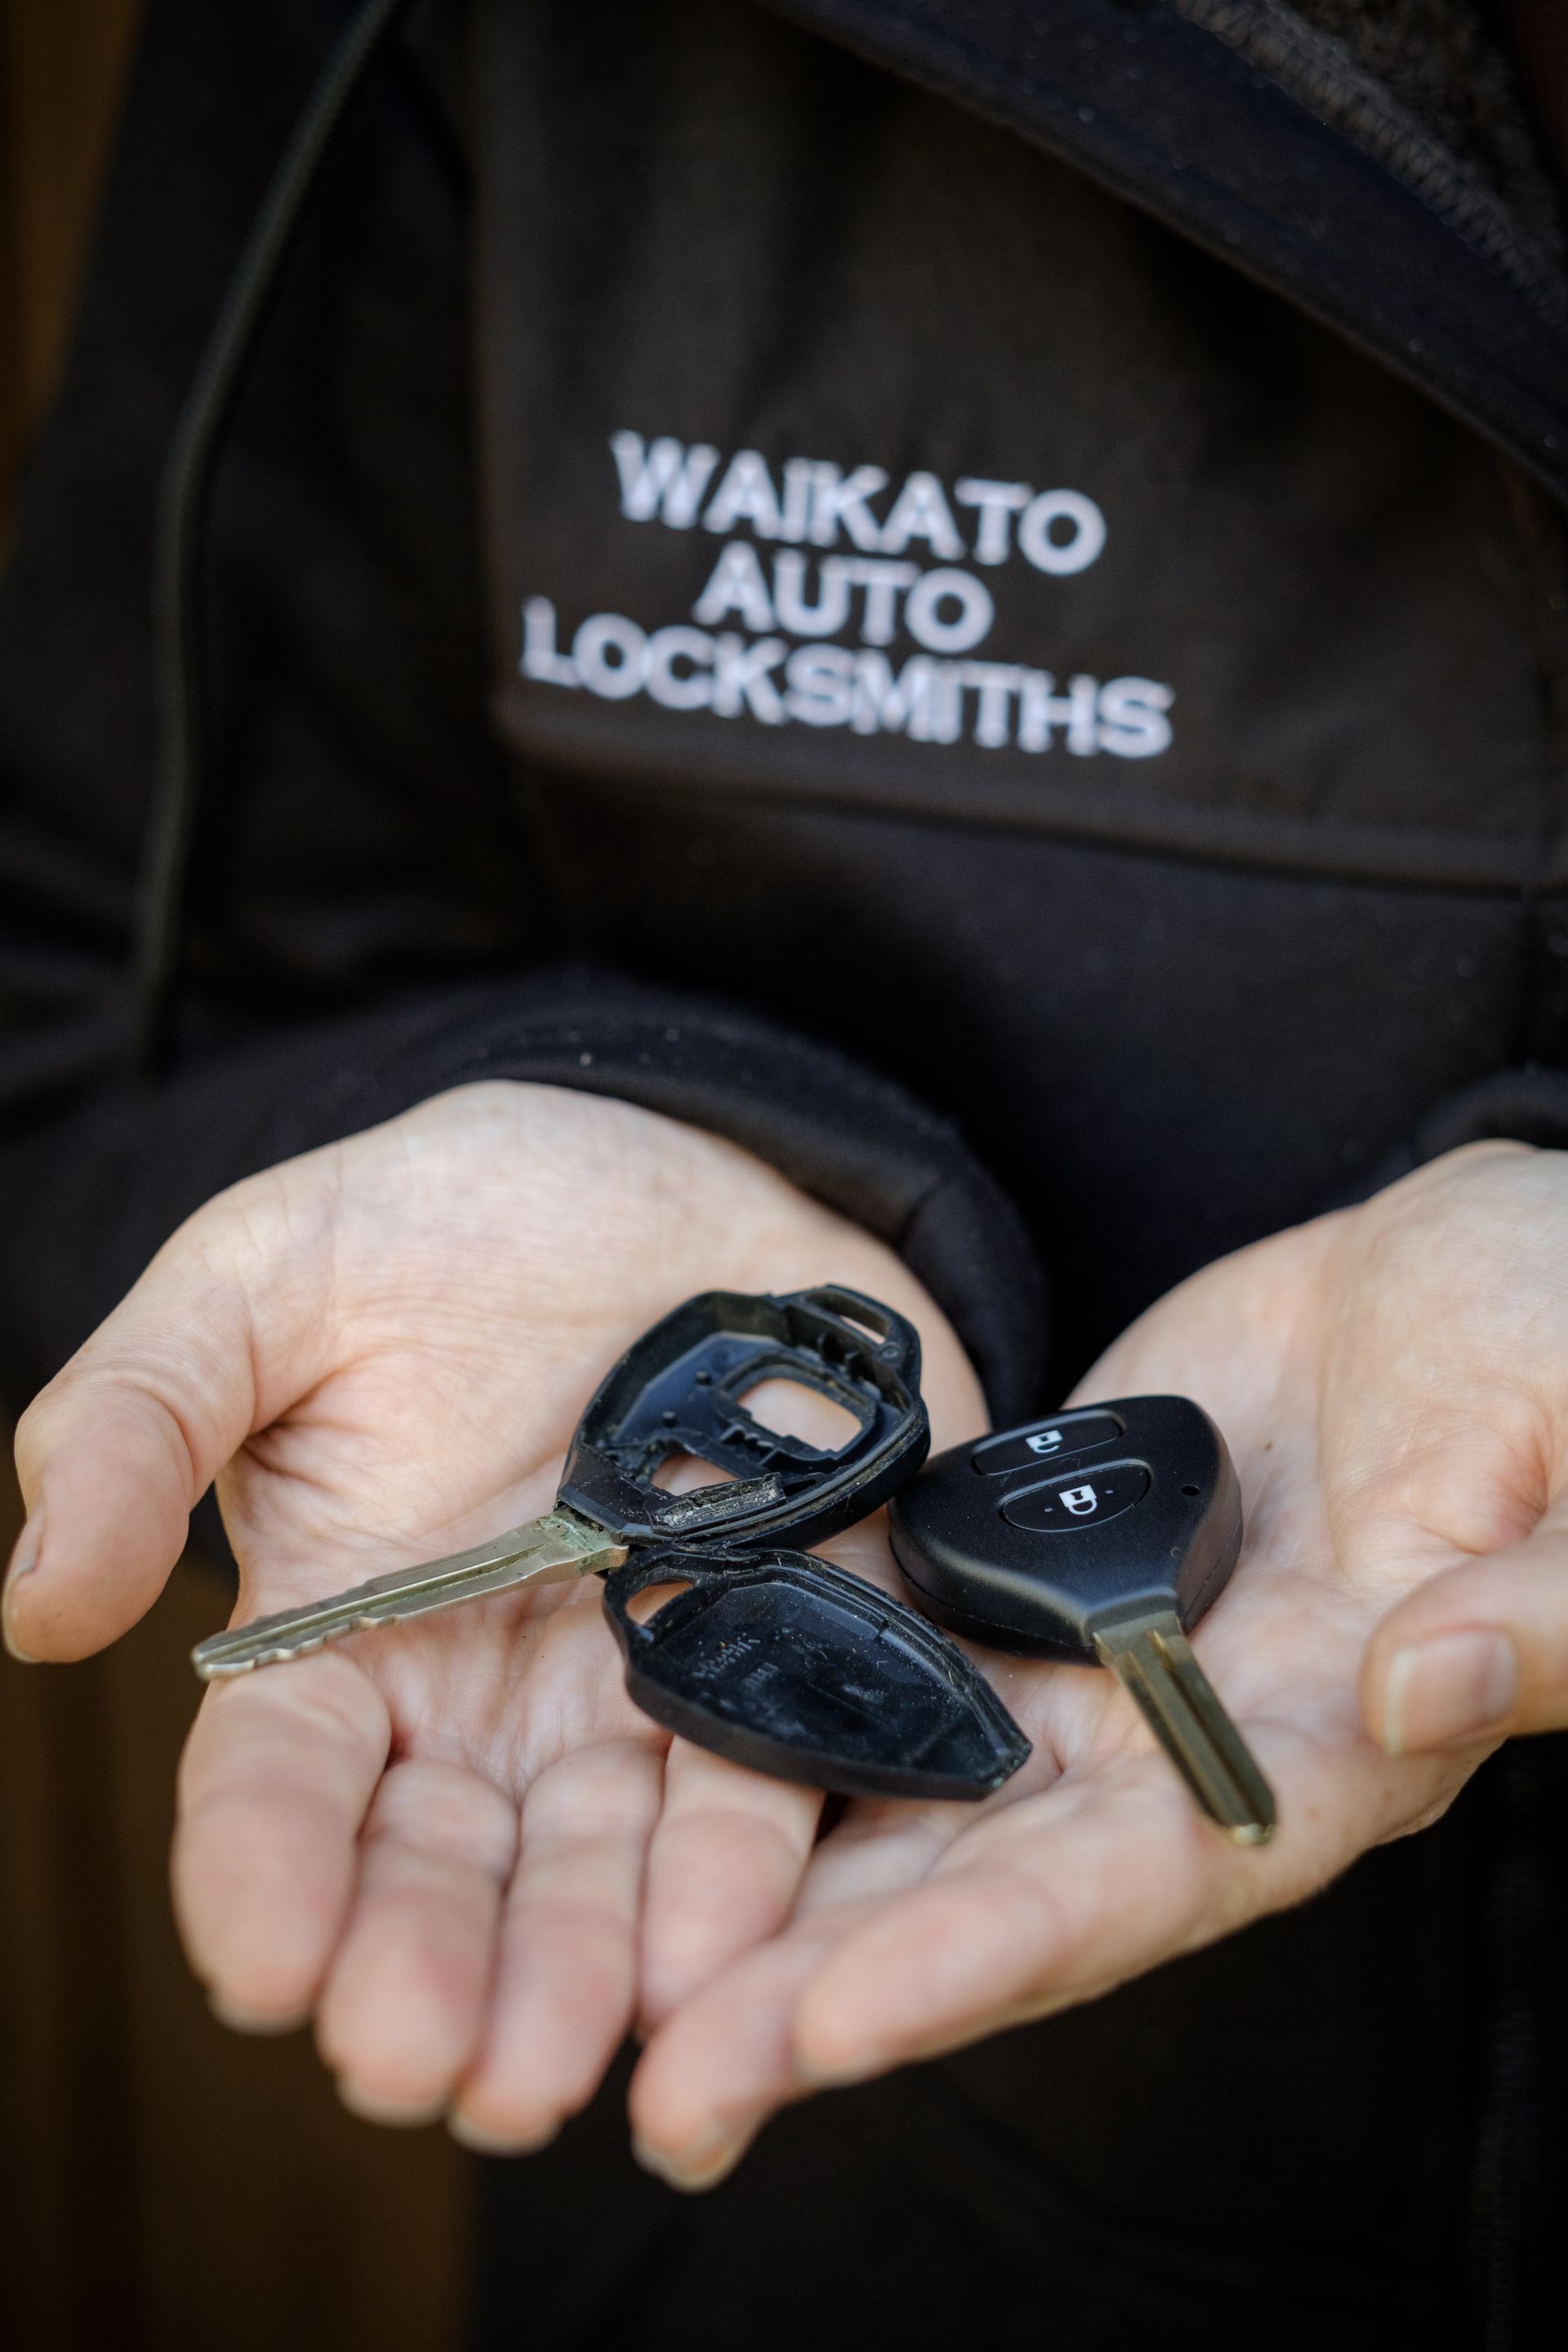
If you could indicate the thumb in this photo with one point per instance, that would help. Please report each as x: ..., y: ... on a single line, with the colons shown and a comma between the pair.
x: 1476, y: 1652
x: 114, y: 1453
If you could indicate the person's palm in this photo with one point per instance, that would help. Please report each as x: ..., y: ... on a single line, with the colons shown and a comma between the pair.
x: 1392, y: 1393
x: 435, y: 1835
x: 393, y: 1339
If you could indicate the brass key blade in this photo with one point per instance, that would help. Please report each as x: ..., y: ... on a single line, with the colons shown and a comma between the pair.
x: 1154, y: 1660
x: 554, y: 1549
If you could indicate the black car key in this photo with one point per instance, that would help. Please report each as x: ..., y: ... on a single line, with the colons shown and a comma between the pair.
x: 680, y: 1390
x: 789, y: 1666
x: 1101, y: 1537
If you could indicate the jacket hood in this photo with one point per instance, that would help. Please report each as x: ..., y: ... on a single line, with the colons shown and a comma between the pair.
x: 1266, y: 141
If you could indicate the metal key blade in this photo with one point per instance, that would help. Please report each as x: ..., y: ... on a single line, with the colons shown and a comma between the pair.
x: 1154, y: 1660
x: 555, y: 1549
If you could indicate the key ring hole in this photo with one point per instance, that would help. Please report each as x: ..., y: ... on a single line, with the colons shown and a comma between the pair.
x: 863, y: 1323
x: 1190, y: 1491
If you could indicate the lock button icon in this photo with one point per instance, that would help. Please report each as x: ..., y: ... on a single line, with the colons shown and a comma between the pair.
x: 1070, y: 1500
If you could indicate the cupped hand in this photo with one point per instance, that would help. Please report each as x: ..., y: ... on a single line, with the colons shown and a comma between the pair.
x: 434, y: 1837
x: 1393, y: 1381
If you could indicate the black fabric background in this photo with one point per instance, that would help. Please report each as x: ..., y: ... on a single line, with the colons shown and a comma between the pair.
x: 949, y: 1011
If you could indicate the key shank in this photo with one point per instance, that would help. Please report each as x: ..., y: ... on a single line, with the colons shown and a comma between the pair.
x: 1152, y: 1657
x: 556, y: 1549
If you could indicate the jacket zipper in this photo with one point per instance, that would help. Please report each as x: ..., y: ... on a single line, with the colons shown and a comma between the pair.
x: 1322, y: 76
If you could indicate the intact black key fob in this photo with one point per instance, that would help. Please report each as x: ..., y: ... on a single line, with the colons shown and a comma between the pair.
x: 791, y: 1666
x: 1098, y: 1536
x: 1033, y: 1540
x: 680, y: 1390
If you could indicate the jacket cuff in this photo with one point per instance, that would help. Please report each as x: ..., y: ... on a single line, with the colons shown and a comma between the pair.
x: 1527, y: 1105
x: 91, y: 1196
x: 851, y: 1139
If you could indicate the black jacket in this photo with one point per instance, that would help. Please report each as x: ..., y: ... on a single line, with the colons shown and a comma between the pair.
x: 972, y: 594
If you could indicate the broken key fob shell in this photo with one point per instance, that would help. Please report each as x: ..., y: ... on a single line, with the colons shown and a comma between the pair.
x: 679, y: 1391
x: 792, y: 1667
x: 976, y: 1535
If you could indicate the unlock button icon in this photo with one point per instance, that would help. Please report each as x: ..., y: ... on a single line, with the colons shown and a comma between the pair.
x: 1080, y: 1499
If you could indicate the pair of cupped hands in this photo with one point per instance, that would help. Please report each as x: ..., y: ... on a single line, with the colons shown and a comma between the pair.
x: 459, y: 1847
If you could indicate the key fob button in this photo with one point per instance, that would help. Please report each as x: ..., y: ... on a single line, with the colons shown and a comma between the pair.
x: 1048, y: 1441
x: 1079, y: 1499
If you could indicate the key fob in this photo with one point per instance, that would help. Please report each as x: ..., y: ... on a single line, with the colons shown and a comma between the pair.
x: 680, y: 1390
x: 796, y: 1668
x: 1031, y: 1539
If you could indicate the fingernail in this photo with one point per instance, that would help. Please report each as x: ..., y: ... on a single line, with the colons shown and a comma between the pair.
x: 24, y: 1561
x: 255, y: 2020
x: 485, y: 2141
x: 702, y: 2164
x: 1453, y: 1687
x: 402, y: 2115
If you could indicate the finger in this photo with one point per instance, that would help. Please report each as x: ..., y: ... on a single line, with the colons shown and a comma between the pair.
x: 1046, y: 1903
x: 725, y: 1864
x: 566, y: 1976
x: 115, y: 1451
x: 860, y: 1986
x: 1057, y: 1899
x: 725, y: 2060
x: 274, y: 1784
x: 1476, y: 1653
x: 1064, y: 1897
x: 402, y: 2009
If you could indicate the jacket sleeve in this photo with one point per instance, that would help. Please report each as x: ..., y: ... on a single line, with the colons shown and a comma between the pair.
x: 1527, y: 1104
x: 88, y: 1194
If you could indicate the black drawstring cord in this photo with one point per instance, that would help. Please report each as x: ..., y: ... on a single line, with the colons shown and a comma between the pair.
x: 178, y: 648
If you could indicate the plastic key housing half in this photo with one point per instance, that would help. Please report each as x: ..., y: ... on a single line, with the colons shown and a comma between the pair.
x: 1134, y: 1506
x: 792, y: 1667
x: 680, y: 1390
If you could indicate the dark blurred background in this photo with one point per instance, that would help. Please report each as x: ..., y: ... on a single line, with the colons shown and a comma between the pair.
x: 164, y: 2186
